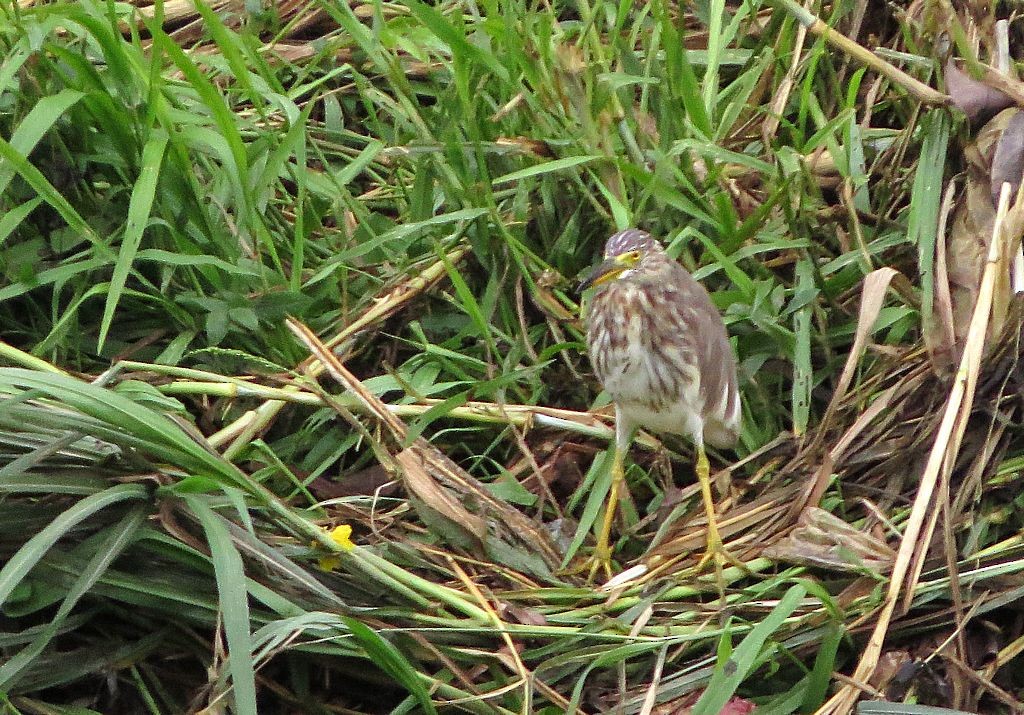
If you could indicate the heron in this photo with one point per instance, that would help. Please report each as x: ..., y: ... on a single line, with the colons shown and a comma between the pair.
x: 661, y: 351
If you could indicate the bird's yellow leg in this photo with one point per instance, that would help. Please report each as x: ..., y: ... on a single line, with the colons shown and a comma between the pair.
x: 602, y: 556
x: 716, y: 549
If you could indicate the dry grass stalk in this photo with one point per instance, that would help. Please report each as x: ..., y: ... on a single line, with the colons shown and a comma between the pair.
x: 779, y: 101
x: 386, y: 305
x: 873, y: 295
x: 940, y: 337
x: 389, y: 303
x: 916, y: 540
x: 841, y: 42
x: 440, y: 485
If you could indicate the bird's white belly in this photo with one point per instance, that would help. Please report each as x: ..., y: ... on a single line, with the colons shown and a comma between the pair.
x: 635, y: 386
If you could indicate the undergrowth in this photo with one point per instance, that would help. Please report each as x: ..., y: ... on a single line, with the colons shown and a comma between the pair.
x: 190, y: 195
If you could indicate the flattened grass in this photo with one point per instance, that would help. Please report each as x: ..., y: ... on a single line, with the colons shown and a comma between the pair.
x: 420, y: 184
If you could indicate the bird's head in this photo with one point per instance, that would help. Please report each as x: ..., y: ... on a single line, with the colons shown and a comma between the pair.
x: 624, y: 254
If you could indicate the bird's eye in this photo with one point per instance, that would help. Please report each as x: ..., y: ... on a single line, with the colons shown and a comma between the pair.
x: 633, y: 256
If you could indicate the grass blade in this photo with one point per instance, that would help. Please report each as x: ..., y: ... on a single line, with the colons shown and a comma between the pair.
x: 391, y: 661
x: 234, y: 604
x: 728, y: 676
x: 35, y: 548
x: 138, y: 216
x: 114, y: 541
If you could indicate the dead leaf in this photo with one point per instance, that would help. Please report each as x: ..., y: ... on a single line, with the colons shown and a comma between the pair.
x: 996, y: 156
x: 973, y: 97
x: 966, y: 248
x: 903, y: 678
x: 1010, y: 86
x: 647, y: 126
x: 822, y: 167
x: 890, y: 667
x: 526, y: 145
x: 824, y: 540
x: 1008, y: 159
x: 366, y: 482
x: 430, y: 494
x: 939, y: 336
x: 522, y: 614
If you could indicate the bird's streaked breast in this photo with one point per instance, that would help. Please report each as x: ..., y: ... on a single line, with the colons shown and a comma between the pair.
x: 662, y: 353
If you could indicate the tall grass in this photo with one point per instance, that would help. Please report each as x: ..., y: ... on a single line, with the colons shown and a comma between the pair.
x: 420, y: 185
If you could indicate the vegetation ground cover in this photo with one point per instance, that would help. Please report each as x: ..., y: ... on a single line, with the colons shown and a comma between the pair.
x: 294, y: 409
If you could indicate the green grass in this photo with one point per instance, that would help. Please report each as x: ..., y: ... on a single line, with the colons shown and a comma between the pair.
x: 421, y: 185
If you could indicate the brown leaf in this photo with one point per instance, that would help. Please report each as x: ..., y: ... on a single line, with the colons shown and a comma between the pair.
x: 1010, y: 86
x: 365, y: 482
x: 822, y: 539
x: 1008, y: 160
x: 522, y: 614
x: 996, y: 156
x: 429, y: 492
x: 966, y: 248
x: 526, y: 145
x: 973, y: 97
x: 647, y: 126
x: 939, y: 335
x: 560, y: 470
x: 902, y: 679
x: 890, y: 666
x: 980, y: 153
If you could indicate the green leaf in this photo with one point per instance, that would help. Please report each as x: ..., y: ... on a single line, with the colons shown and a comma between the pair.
x: 234, y: 604
x: 114, y: 540
x: 138, y: 216
x: 13, y: 218
x: 35, y: 178
x: 388, y: 658
x: 728, y: 676
x: 455, y: 38
x: 824, y: 665
x: 803, y: 374
x: 925, y: 200
x: 547, y: 167
x: 355, y: 167
x: 18, y: 566
x: 149, y: 430
x: 34, y: 127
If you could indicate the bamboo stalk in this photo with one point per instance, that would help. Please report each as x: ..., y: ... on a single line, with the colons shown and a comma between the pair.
x: 588, y: 424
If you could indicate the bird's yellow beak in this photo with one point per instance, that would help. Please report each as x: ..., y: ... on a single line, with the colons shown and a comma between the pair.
x: 610, y: 269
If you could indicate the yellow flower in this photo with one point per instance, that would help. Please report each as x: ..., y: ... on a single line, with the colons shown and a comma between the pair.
x: 341, y: 535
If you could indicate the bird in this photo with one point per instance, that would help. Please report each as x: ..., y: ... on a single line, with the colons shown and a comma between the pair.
x: 661, y: 351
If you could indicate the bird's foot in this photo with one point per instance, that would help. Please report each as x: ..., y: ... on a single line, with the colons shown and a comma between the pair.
x: 717, y: 553
x: 720, y: 556
x: 600, y: 560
